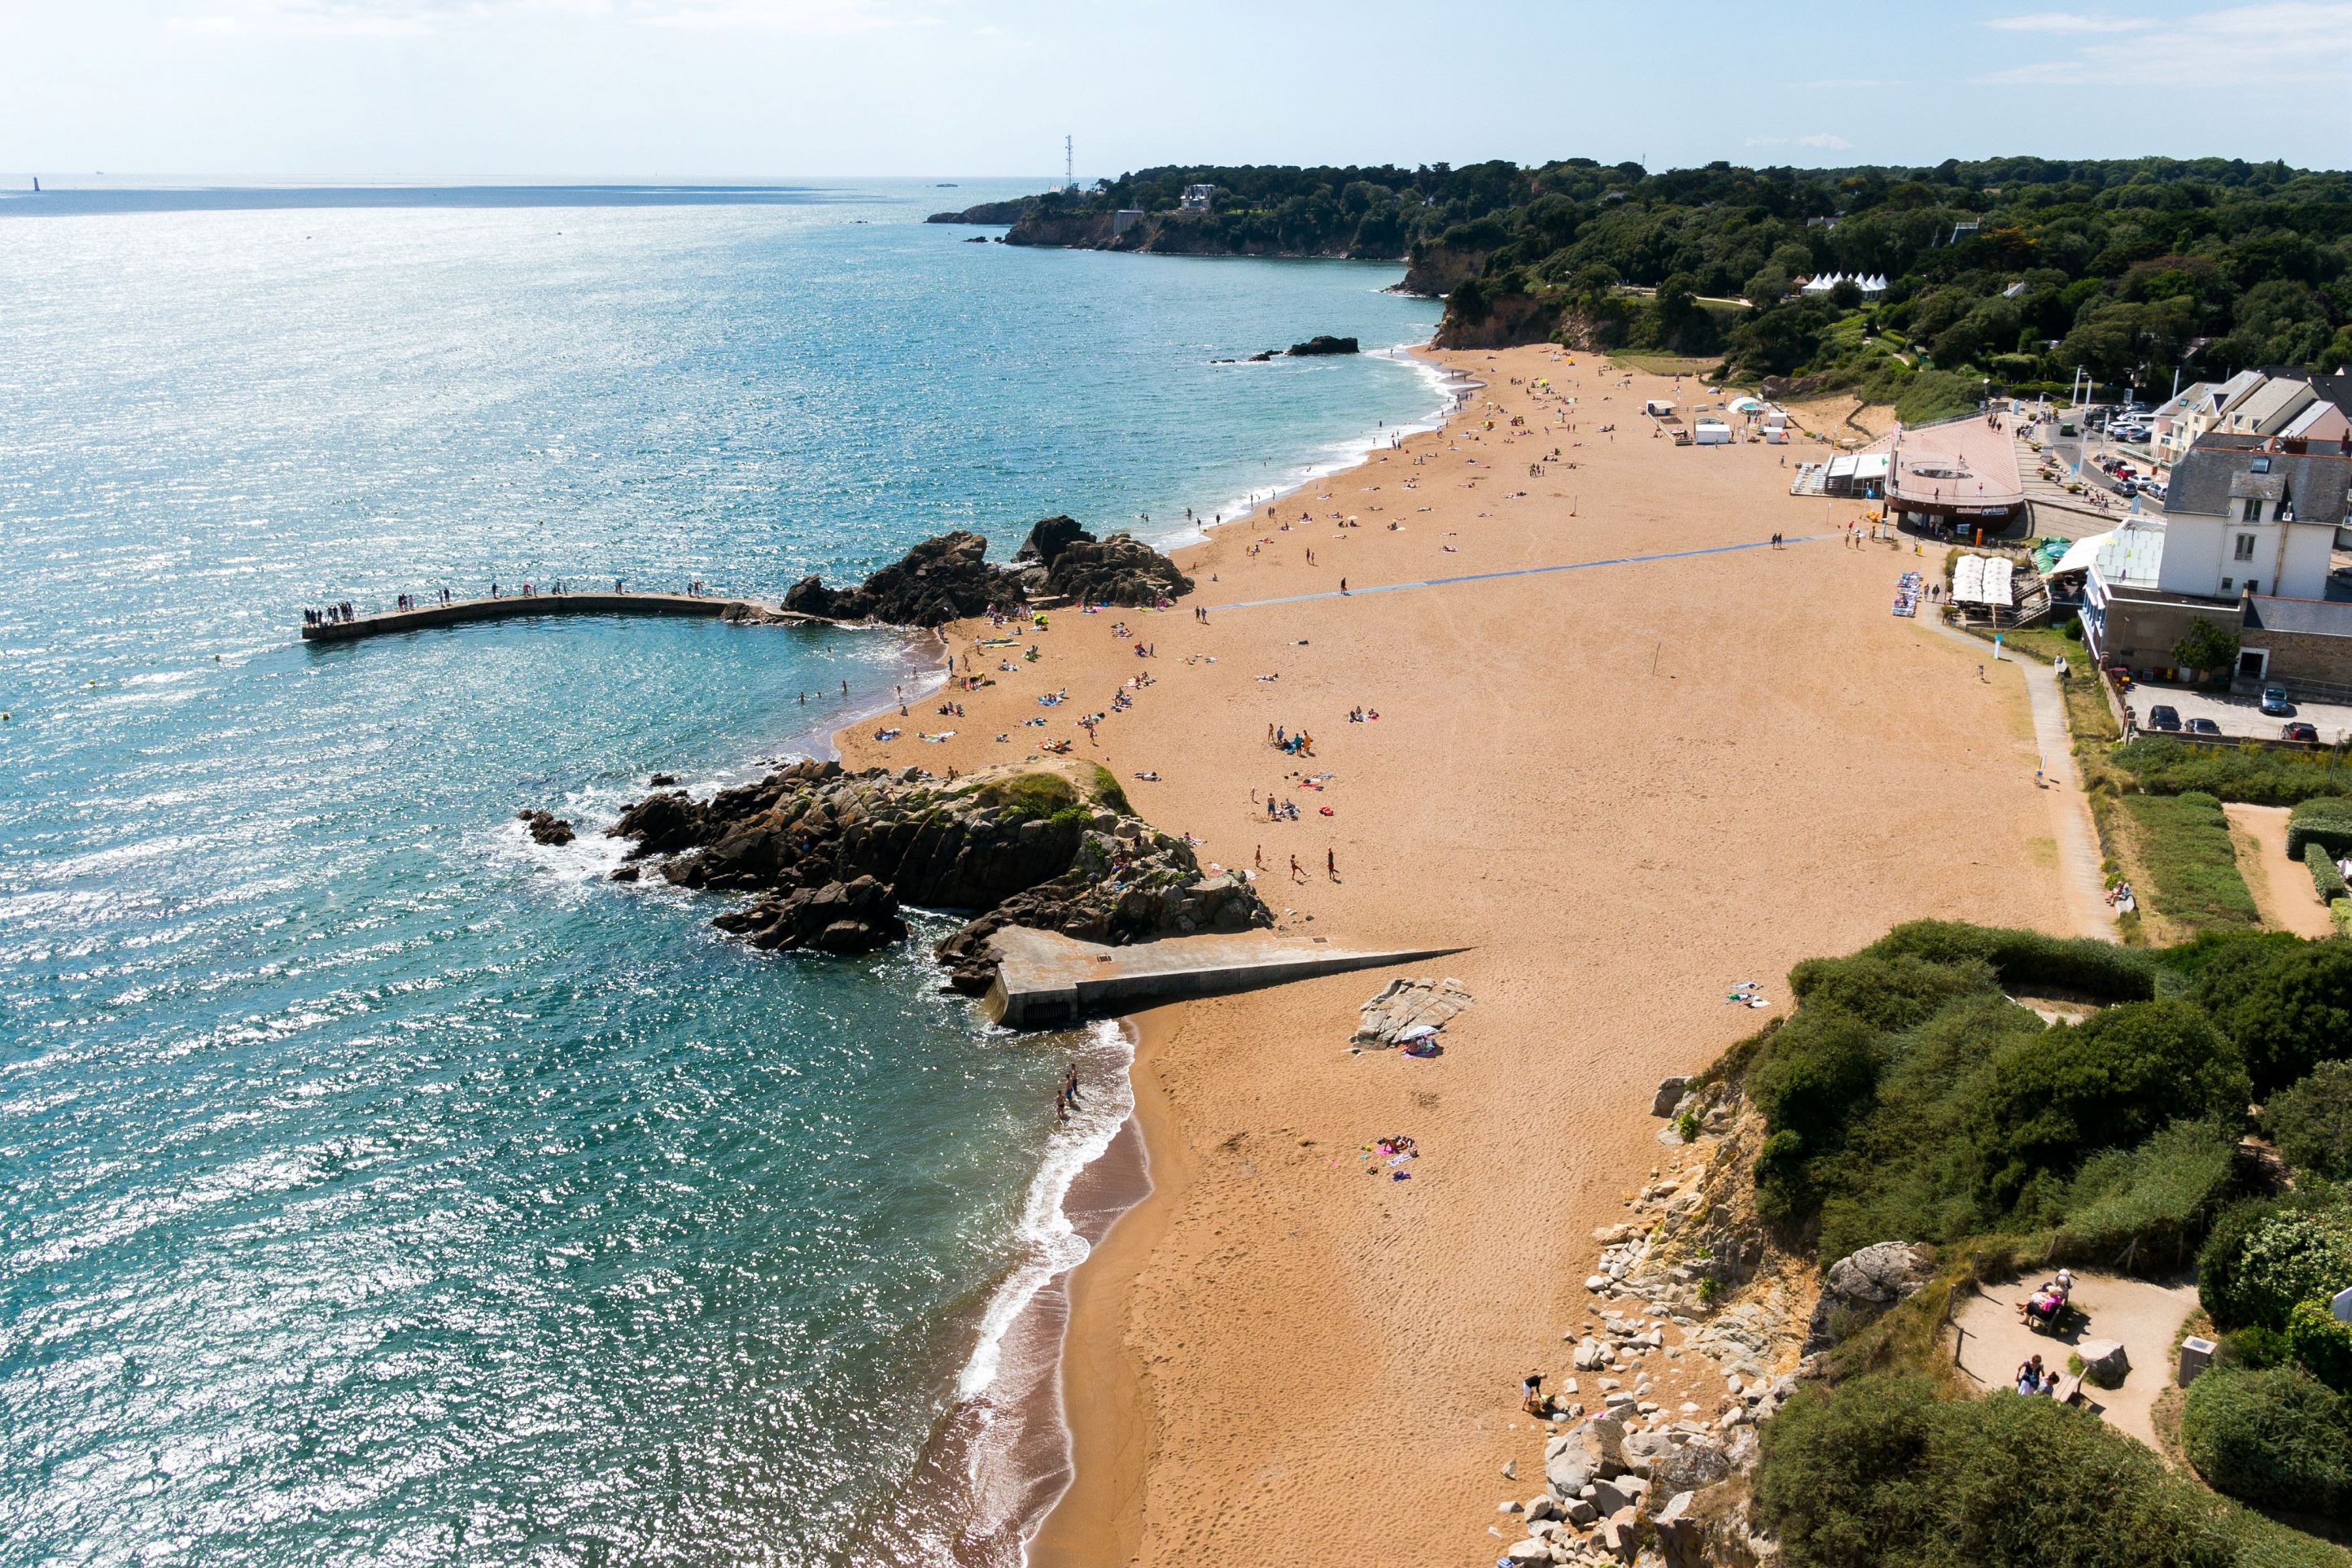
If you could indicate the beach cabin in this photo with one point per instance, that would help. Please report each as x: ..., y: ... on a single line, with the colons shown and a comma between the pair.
x: 1658, y: 408
x: 1775, y: 424
x: 1713, y: 432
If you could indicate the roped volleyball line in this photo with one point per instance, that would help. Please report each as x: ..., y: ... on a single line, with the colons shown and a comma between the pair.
x: 1519, y: 571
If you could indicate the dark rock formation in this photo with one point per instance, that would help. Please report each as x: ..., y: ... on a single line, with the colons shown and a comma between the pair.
x: 1121, y: 570
x: 662, y: 780
x: 1048, y: 538
x: 1322, y: 343
x: 832, y: 856
x: 939, y: 581
x: 1435, y: 269
x: 546, y: 827
x: 1474, y: 320
x: 1259, y: 359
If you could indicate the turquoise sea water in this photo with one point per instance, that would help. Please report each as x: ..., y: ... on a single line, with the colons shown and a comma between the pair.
x: 375, y: 1186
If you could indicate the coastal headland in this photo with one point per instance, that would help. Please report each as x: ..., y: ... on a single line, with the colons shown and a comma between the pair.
x: 1626, y: 788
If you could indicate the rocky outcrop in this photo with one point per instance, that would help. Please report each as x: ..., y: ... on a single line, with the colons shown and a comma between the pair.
x: 546, y: 827
x: 1121, y: 570
x: 984, y: 212
x: 858, y: 916
x: 1322, y: 344
x: 949, y: 578
x: 830, y: 857
x: 940, y: 579
x: 1860, y: 1285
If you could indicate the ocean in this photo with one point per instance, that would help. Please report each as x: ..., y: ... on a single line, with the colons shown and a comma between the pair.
x: 381, y: 1186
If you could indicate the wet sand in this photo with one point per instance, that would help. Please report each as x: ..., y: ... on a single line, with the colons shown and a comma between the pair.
x: 1626, y: 785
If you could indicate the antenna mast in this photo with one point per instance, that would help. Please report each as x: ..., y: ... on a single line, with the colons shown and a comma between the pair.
x: 1069, y: 166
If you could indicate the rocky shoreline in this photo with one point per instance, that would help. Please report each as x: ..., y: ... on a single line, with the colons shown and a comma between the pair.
x: 831, y: 858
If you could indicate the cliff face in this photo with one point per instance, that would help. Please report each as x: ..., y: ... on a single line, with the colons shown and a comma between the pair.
x: 1436, y: 268
x: 1500, y: 323
x: 1186, y: 233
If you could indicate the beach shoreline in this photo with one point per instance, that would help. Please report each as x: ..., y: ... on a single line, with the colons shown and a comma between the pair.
x: 1613, y: 729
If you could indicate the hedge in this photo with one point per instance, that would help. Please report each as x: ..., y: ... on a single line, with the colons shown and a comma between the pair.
x: 2321, y: 1345
x: 2312, y: 1121
x: 2327, y: 823
x: 2027, y: 960
x: 2263, y: 1258
x: 2278, y: 1438
x: 2325, y: 877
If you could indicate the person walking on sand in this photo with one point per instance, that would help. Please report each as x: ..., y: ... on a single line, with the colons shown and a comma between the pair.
x: 1331, y: 864
x: 1343, y: 585
x: 1297, y: 873
x: 1531, y: 1394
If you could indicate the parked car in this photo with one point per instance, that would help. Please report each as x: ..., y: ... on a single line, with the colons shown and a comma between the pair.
x: 2299, y: 730
x: 2275, y: 701
x: 2203, y: 727
x: 2163, y: 716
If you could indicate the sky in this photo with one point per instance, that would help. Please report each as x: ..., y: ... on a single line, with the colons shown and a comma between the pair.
x: 688, y: 89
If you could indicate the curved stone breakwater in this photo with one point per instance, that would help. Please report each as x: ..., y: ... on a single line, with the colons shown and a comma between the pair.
x: 830, y: 858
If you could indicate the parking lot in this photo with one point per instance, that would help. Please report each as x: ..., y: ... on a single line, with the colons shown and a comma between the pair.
x: 2238, y: 716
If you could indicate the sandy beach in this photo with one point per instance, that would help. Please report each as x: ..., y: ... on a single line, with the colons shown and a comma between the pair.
x: 1625, y: 787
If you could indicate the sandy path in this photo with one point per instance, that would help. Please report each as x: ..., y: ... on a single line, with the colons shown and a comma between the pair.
x: 2073, y: 832
x: 2282, y: 887
x: 1629, y: 787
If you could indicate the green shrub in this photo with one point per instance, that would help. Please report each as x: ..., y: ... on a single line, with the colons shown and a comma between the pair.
x: 2038, y: 1104
x: 2162, y: 765
x: 2277, y: 1438
x: 2027, y: 960
x: 1031, y: 794
x: 2312, y: 1121
x: 1813, y: 1074
x: 2192, y: 865
x: 1876, y: 1472
x: 2325, y: 877
x: 2263, y: 1258
x: 1888, y: 993
x: 1109, y: 791
x: 1782, y: 1191
x: 2148, y: 1206
x: 2320, y: 1344
x: 2325, y: 821
x: 2288, y: 1006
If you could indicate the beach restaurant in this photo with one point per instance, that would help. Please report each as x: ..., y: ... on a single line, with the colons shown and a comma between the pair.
x: 1960, y: 476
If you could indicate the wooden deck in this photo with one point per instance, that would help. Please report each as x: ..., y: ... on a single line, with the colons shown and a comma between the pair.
x: 515, y: 606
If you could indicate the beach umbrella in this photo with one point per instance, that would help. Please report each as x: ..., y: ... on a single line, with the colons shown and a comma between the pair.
x: 1746, y: 405
x: 1418, y: 1031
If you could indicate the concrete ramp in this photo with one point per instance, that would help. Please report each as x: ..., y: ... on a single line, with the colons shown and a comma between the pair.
x: 1045, y: 979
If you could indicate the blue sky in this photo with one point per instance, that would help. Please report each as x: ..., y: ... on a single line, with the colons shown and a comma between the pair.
x: 671, y: 88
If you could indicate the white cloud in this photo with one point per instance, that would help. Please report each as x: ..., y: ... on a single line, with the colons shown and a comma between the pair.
x: 2068, y: 22
x: 2292, y: 43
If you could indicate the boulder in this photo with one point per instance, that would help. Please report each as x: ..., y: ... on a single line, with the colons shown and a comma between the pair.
x: 1323, y: 343
x: 1404, y: 1004
x: 2104, y: 1362
x: 1680, y: 1537
x: 1860, y: 1285
x: 1530, y: 1551
x: 1620, y: 1534
x: 546, y: 827
x: 1669, y: 1095
x: 1690, y: 1465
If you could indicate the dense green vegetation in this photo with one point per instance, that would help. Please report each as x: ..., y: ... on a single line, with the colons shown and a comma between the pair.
x: 1878, y: 1472
x: 1379, y: 211
x: 2257, y: 775
x: 1909, y: 1099
x: 2183, y: 841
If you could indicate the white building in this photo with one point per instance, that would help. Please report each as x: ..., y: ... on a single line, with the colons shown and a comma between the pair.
x: 2248, y: 515
x: 1197, y: 198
